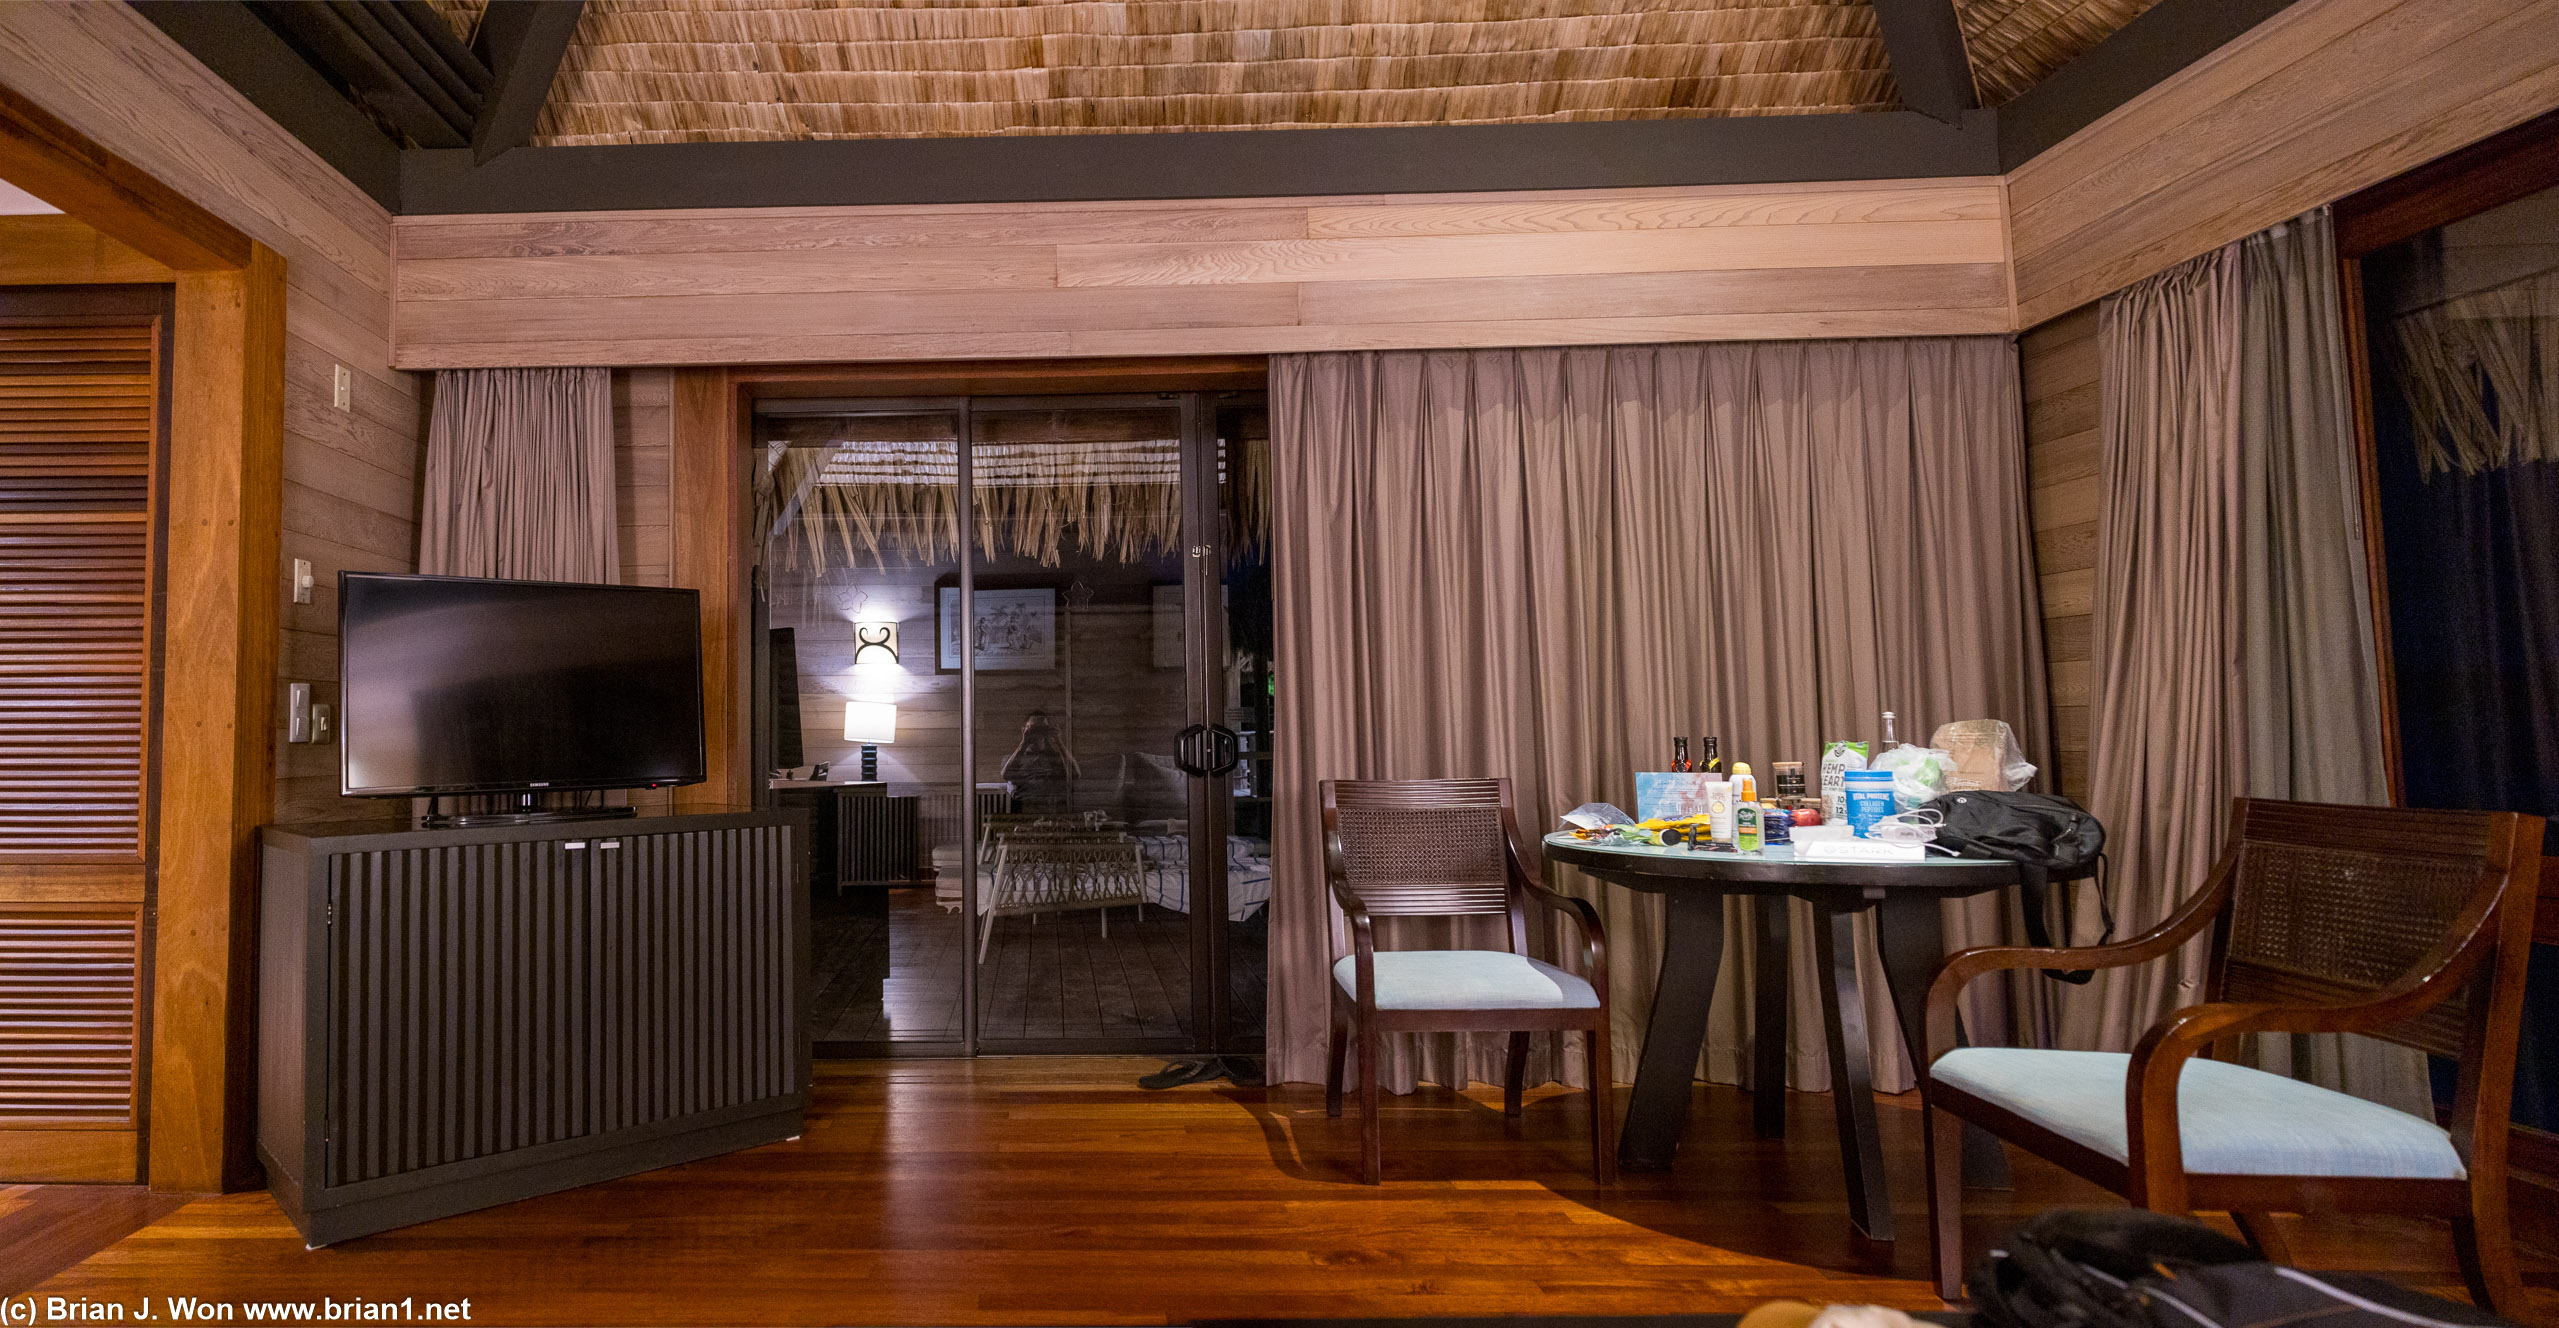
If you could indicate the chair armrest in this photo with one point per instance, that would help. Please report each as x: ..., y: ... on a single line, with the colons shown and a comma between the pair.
x: 1594, y: 938
x: 2156, y: 1156
x: 1963, y: 966
x: 1363, y: 944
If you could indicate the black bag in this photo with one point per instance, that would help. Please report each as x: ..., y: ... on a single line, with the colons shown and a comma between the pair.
x: 2126, y: 1268
x: 2050, y: 838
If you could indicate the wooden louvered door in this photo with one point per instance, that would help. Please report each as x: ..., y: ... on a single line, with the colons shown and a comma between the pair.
x: 80, y: 422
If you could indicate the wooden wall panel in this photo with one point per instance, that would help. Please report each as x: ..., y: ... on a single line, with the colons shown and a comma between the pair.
x: 643, y: 435
x: 1249, y: 277
x: 2323, y: 99
x: 2058, y: 365
x: 349, y: 498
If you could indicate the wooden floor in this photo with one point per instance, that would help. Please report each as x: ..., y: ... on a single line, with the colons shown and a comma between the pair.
x: 886, y: 967
x: 1051, y: 1191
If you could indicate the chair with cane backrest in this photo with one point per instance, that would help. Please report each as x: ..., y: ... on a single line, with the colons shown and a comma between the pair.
x: 1451, y: 848
x: 2410, y: 926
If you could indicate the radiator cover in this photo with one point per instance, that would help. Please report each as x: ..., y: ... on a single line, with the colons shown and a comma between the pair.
x: 451, y: 1019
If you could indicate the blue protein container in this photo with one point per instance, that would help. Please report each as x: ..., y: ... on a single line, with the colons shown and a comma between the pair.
x: 1869, y: 798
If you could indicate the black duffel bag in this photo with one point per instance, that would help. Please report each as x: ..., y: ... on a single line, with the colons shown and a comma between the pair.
x: 2050, y: 838
x: 2126, y: 1268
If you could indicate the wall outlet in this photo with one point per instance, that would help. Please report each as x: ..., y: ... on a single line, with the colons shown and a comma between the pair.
x: 341, y: 387
x: 297, y: 712
x: 301, y: 580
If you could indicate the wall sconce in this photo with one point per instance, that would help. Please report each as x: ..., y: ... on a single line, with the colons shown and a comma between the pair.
x: 874, y: 643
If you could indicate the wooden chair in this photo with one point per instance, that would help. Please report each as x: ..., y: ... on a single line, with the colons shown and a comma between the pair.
x: 1451, y: 848
x: 2412, y: 926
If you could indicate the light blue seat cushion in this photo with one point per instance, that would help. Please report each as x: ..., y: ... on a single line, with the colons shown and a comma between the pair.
x: 2231, y: 1120
x: 1468, y: 980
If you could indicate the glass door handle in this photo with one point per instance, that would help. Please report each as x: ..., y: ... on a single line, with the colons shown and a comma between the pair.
x: 1226, y: 748
x: 1190, y: 750
x: 1207, y: 749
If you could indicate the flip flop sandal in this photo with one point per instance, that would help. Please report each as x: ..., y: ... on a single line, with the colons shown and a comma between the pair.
x: 1193, y: 1070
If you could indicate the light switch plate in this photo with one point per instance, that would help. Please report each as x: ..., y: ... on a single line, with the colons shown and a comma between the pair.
x: 301, y: 580
x: 297, y: 710
x: 341, y: 387
x: 320, y: 730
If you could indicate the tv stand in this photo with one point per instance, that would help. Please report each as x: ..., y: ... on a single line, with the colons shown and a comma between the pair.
x: 527, y: 811
x: 449, y: 1019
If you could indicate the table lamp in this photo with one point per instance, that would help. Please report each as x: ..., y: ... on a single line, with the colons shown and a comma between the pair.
x: 870, y: 723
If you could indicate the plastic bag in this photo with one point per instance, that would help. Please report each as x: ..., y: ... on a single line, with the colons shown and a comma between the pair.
x: 1919, y: 773
x: 1595, y: 816
x: 1986, y: 755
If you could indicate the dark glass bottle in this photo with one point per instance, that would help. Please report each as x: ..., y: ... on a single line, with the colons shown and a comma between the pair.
x: 1714, y: 759
x: 1678, y: 754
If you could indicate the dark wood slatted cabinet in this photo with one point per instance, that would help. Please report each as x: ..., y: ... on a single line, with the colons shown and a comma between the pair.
x: 451, y: 1019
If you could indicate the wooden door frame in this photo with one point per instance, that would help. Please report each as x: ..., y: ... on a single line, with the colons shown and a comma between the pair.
x: 223, y: 529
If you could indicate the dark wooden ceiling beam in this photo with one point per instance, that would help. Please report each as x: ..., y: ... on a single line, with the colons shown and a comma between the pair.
x: 1625, y: 154
x: 345, y: 42
x: 522, y: 42
x: 1925, y: 44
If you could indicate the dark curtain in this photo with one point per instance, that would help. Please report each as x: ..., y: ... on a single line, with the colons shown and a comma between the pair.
x: 2474, y: 630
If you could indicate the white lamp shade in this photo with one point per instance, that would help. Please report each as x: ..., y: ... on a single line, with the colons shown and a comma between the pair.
x: 870, y: 721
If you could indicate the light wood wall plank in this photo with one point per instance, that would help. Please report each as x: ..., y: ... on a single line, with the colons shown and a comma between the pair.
x: 2323, y: 99
x: 2058, y: 364
x: 1192, y: 277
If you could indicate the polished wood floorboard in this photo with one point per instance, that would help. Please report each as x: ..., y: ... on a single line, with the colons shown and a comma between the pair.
x: 47, y: 1228
x: 1053, y: 1191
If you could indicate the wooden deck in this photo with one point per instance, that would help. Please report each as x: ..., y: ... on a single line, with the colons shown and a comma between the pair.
x: 1052, y: 1191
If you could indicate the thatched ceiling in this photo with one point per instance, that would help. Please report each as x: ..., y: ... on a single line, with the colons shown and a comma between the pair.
x: 2016, y: 44
x: 656, y: 71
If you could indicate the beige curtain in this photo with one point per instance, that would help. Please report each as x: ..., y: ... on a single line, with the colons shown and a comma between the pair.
x: 519, y: 476
x: 1543, y: 563
x: 2233, y: 616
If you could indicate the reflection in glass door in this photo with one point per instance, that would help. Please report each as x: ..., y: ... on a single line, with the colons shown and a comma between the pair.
x: 1081, y: 697
x: 859, y: 510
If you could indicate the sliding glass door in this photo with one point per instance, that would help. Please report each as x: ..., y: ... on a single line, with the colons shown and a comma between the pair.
x: 1061, y: 612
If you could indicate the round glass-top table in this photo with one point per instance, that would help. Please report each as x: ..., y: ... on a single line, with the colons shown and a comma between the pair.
x: 1693, y: 884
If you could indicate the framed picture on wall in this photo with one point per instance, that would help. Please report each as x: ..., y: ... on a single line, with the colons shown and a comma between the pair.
x: 1016, y: 629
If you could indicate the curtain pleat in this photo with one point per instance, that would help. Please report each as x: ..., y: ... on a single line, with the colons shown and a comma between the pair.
x: 2234, y: 616
x: 1543, y: 563
x: 519, y: 476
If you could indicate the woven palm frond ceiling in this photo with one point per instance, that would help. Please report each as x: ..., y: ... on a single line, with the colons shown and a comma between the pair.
x: 664, y: 71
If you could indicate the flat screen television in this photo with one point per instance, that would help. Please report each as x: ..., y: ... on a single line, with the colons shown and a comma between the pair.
x: 452, y: 685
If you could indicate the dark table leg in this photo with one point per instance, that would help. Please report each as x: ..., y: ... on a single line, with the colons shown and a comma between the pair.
x: 1692, y: 949
x: 1852, y: 1080
x: 1913, y: 939
x: 1768, y: 1017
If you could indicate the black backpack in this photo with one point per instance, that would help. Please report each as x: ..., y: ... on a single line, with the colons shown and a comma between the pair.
x: 2126, y: 1268
x: 2050, y: 838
